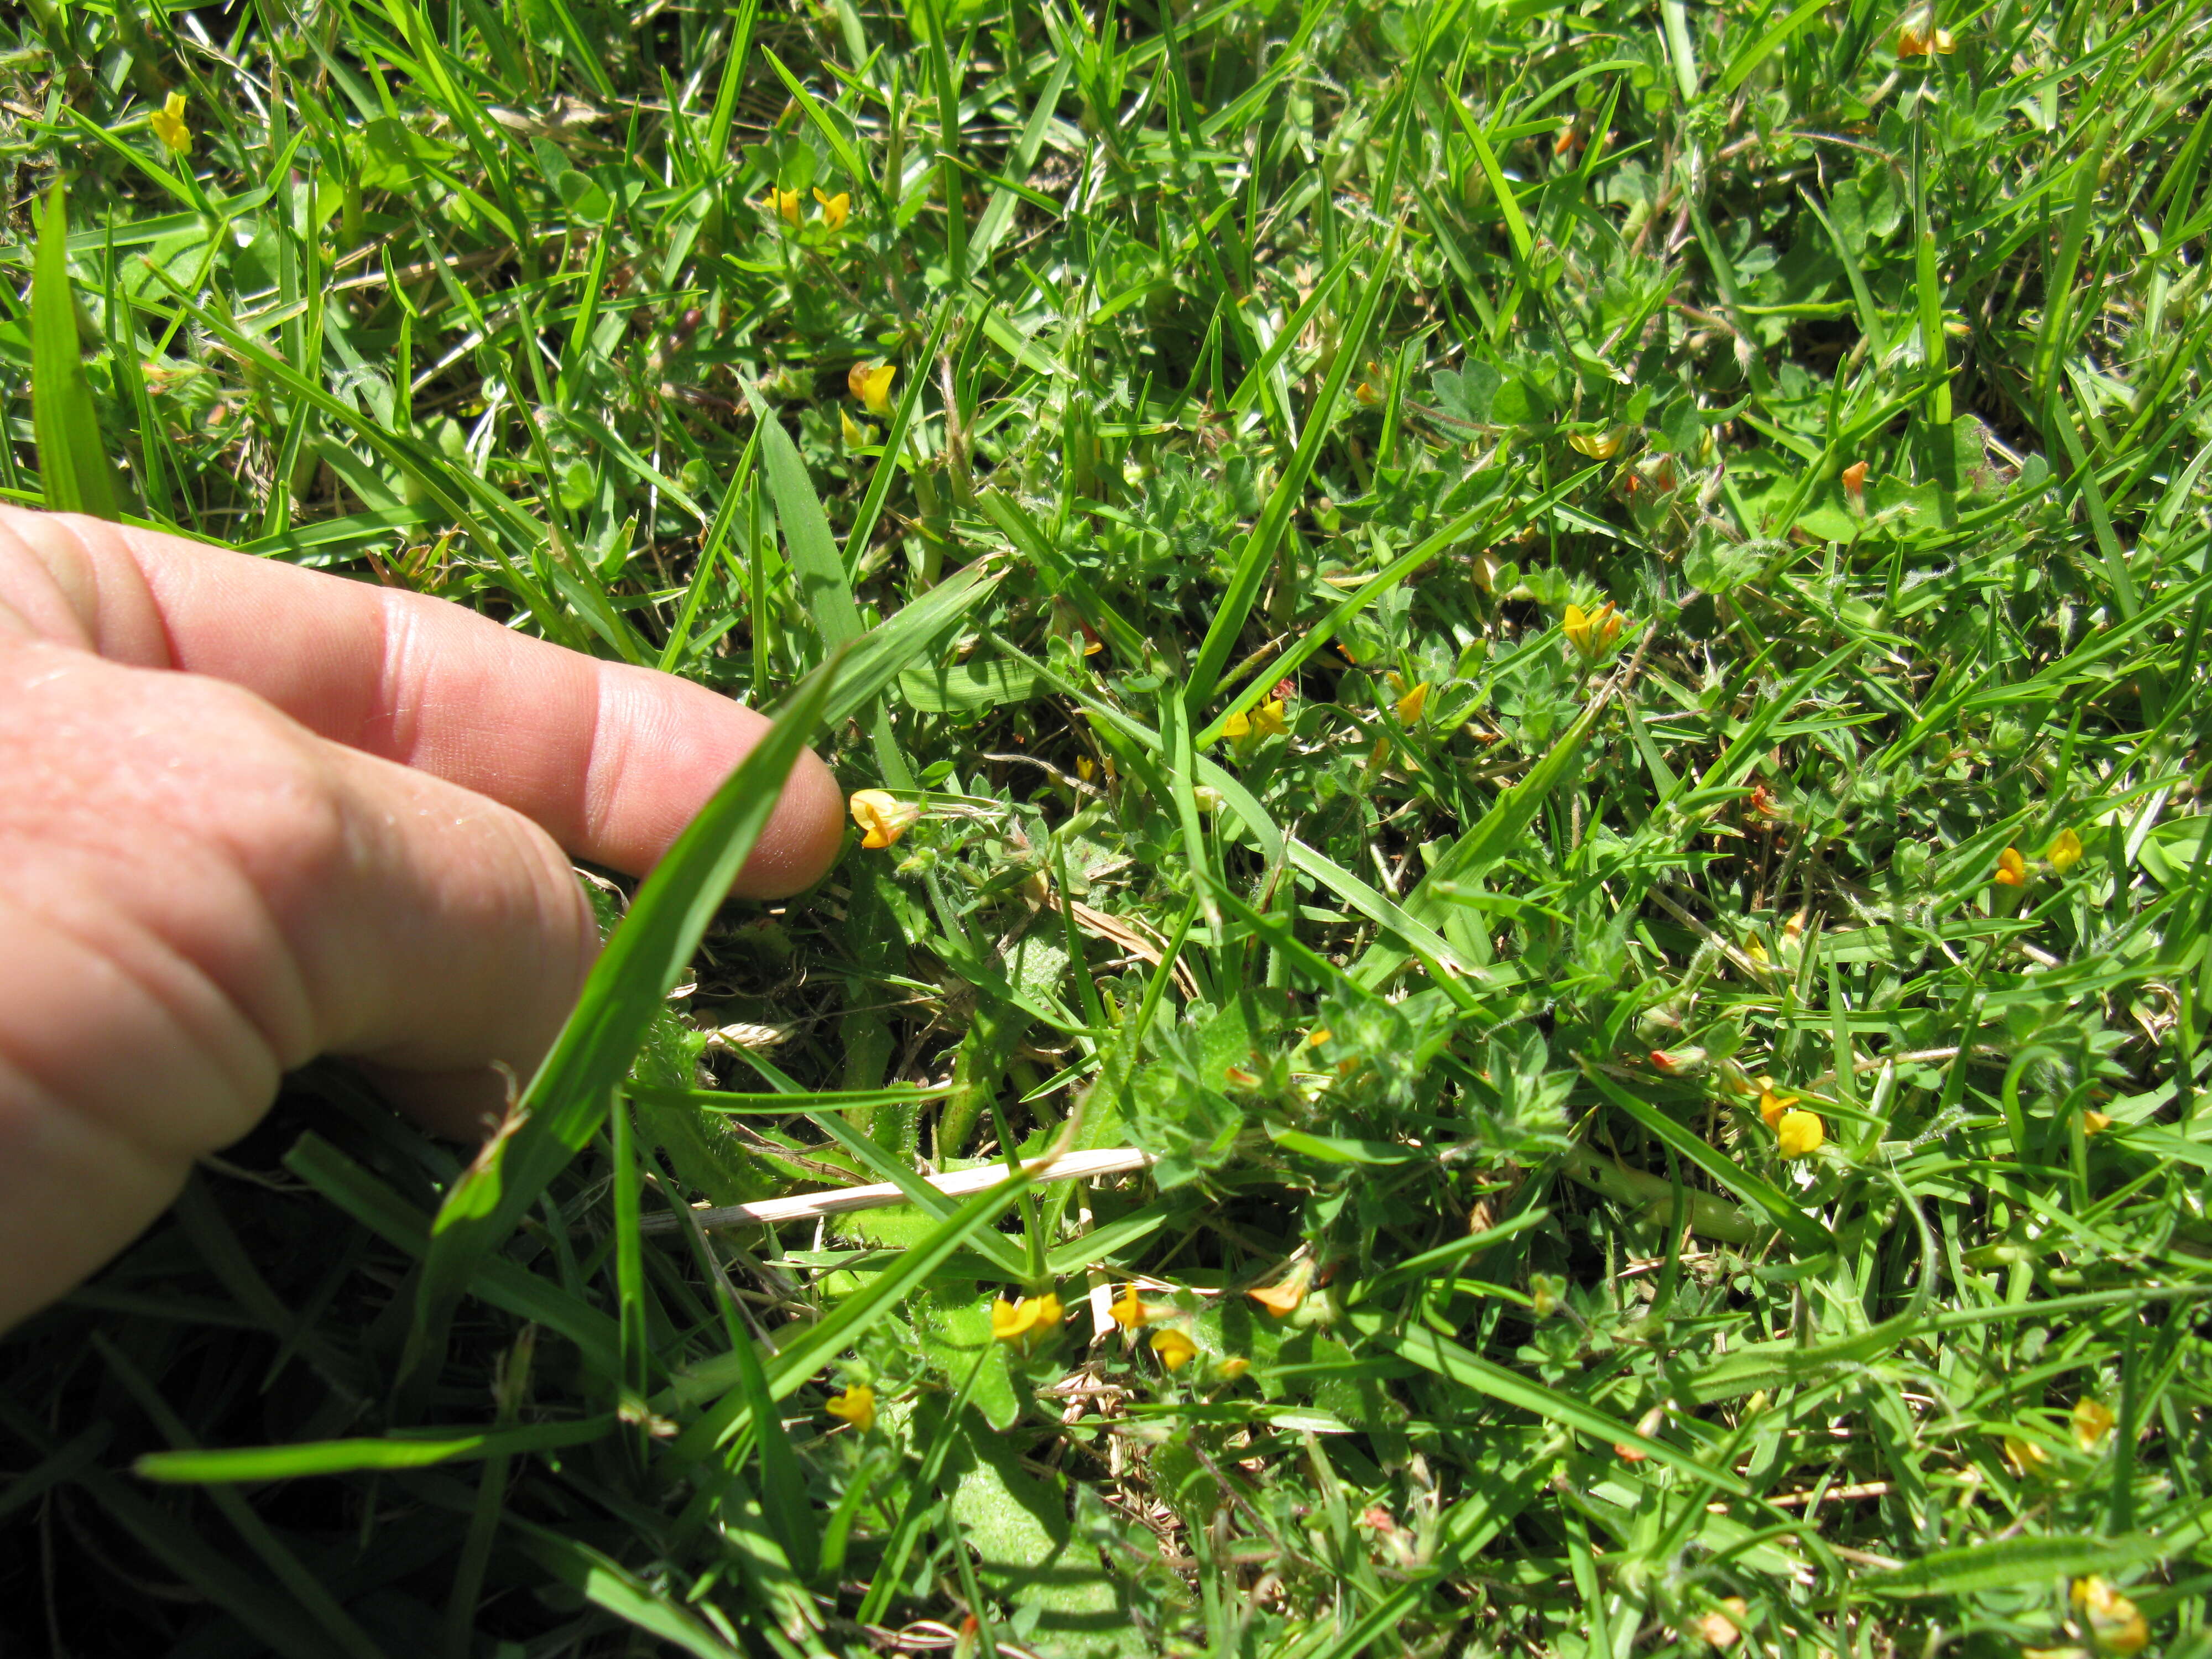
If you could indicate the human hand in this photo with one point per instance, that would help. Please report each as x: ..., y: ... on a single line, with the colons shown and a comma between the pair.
x: 340, y: 829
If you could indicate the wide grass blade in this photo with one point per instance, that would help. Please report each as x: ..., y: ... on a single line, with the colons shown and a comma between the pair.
x: 73, y: 462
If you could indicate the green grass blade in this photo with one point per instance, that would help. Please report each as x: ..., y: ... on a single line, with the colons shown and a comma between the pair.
x: 73, y: 464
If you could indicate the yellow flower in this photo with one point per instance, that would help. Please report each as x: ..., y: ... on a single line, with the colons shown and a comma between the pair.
x: 1594, y: 633
x: 883, y: 815
x: 1282, y: 1300
x: 1918, y: 40
x: 1771, y: 1106
x: 1032, y: 1318
x: 1319, y: 1035
x: 1798, y: 1133
x: 2064, y: 852
x: 786, y: 202
x: 1265, y: 720
x: 1230, y: 1369
x: 2012, y: 868
x: 2114, y: 1621
x: 2026, y: 1456
x: 1754, y: 950
x: 835, y: 209
x: 2094, y: 1123
x: 168, y: 125
x: 872, y: 383
x: 2093, y: 1421
x: 1130, y: 1312
x: 857, y: 1406
x: 857, y: 433
x: 1410, y: 705
x: 1174, y: 1349
x: 1598, y: 445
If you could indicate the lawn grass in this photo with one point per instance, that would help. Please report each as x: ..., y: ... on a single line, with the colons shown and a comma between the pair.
x: 1710, y: 1088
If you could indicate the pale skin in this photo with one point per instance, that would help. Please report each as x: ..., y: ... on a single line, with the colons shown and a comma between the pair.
x: 252, y: 814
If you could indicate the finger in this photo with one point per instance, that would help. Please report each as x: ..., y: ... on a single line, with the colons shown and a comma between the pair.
x: 613, y: 761
x: 201, y: 895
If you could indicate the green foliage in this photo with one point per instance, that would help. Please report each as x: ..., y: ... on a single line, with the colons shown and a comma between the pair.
x: 1280, y: 395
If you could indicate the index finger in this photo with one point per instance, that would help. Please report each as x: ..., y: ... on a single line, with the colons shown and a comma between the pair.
x: 612, y: 760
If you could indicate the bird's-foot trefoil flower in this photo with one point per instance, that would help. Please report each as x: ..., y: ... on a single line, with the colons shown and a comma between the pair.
x: 883, y: 817
x: 872, y: 383
x: 1594, y: 633
x: 1798, y: 1133
x: 1174, y: 1349
x: 2012, y: 868
x: 857, y: 1406
x: 1030, y: 1322
x: 2115, y: 1623
x: 835, y: 209
x: 168, y: 125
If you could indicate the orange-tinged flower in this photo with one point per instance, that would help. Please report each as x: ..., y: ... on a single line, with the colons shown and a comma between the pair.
x: 1130, y: 1312
x: 1771, y: 1106
x: 1916, y: 38
x: 1030, y: 1319
x: 2064, y: 852
x: 1319, y: 1035
x: 1798, y: 1133
x: 1594, y: 633
x: 168, y: 125
x: 1855, y: 477
x: 834, y: 209
x: 1230, y: 1369
x: 1174, y: 1349
x: 857, y: 1406
x: 786, y: 202
x: 872, y: 383
x: 2113, y: 1620
x: 1598, y: 445
x: 1283, y: 1300
x: 2012, y: 868
x: 883, y: 815
x: 2093, y: 1420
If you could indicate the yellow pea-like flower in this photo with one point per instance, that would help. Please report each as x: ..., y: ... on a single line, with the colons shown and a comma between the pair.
x: 1262, y: 720
x: 1174, y: 1349
x: 786, y: 202
x: 1130, y: 1312
x: 1771, y: 1106
x: 1593, y: 633
x: 835, y: 209
x: 2093, y: 1420
x: 1030, y: 1319
x: 168, y: 125
x: 857, y: 1406
x: 2012, y: 868
x: 883, y: 817
x: 858, y: 434
x: 1799, y: 1133
x: 1284, y: 1300
x: 1598, y: 445
x: 872, y: 383
x: 2065, y: 852
x: 1409, y: 706
x: 2114, y: 1622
